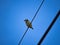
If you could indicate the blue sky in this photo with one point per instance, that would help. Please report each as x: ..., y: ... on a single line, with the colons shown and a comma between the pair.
x: 13, y: 13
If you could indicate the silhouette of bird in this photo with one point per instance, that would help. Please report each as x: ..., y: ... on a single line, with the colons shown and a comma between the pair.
x: 28, y: 23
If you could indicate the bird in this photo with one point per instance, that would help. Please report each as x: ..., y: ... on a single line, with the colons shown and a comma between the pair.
x: 28, y: 23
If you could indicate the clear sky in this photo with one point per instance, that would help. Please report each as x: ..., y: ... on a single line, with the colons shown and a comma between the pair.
x: 13, y: 13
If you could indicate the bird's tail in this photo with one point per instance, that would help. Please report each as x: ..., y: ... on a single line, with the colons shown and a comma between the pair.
x: 32, y: 28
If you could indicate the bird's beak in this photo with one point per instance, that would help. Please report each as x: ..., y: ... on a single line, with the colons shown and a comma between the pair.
x: 24, y: 20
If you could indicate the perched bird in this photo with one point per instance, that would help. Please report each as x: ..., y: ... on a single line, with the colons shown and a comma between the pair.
x: 28, y: 23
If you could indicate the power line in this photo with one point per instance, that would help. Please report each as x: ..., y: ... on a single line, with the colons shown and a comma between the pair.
x: 48, y: 29
x: 23, y: 37
x: 37, y: 11
x: 31, y: 22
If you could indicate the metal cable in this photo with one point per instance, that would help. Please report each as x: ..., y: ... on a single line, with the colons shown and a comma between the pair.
x: 37, y: 11
x: 31, y: 22
x: 48, y: 29
x: 23, y: 37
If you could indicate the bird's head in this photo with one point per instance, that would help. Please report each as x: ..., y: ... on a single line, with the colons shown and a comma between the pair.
x: 26, y: 20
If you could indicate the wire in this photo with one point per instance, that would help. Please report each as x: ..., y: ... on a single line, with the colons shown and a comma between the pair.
x: 37, y: 11
x: 48, y: 29
x: 23, y: 37
x: 31, y: 22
